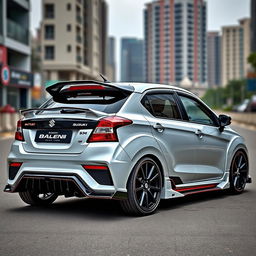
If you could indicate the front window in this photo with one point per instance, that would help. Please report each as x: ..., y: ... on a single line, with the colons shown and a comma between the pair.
x: 196, y: 111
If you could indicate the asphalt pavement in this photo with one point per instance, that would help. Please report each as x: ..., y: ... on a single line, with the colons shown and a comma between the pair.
x: 200, y: 225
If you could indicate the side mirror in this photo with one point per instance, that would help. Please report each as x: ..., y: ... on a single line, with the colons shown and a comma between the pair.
x: 224, y: 120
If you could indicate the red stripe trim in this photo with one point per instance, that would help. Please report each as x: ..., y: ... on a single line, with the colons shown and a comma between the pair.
x: 195, y: 187
x: 95, y: 167
x: 15, y: 164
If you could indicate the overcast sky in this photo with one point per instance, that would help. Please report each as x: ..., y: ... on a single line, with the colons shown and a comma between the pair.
x: 126, y: 16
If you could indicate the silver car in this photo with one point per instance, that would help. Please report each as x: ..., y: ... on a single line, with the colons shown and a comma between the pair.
x: 135, y: 142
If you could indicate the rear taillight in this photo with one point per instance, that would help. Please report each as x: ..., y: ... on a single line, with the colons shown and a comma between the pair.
x: 106, y: 129
x: 19, y: 133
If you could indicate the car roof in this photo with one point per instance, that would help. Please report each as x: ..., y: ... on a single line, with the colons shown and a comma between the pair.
x: 142, y: 87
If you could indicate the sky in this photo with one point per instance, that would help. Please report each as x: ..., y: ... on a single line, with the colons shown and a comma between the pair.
x: 126, y: 17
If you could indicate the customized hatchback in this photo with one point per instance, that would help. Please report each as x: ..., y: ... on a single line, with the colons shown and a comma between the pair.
x: 134, y: 142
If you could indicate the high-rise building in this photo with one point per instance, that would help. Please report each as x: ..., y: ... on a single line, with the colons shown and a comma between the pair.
x: 111, y: 59
x: 235, y: 51
x: 132, y: 60
x: 74, y: 39
x: 16, y: 79
x: 253, y: 25
x: 175, y: 41
x: 214, y: 58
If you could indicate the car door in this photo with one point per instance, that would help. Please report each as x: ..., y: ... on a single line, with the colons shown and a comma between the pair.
x: 210, y: 145
x: 176, y: 138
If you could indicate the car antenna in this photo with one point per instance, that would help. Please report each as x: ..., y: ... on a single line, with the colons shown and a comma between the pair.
x: 105, y: 80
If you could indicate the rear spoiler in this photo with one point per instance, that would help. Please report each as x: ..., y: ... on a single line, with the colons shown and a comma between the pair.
x: 55, y: 89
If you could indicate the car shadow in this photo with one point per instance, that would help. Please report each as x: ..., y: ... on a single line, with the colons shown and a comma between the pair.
x: 77, y: 208
x: 195, y: 198
x: 98, y: 209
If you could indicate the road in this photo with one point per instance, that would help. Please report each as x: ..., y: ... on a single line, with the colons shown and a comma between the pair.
x: 207, y: 224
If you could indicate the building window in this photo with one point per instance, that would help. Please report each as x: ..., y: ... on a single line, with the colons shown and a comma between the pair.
x: 49, y: 52
x: 49, y: 11
x: 49, y: 32
x: 69, y: 7
x: 69, y: 48
x: 68, y: 27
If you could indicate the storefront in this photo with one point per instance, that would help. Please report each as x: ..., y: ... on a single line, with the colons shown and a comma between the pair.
x: 15, y: 87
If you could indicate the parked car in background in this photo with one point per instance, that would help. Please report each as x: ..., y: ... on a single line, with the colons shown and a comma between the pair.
x: 242, y: 107
x: 252, y: 104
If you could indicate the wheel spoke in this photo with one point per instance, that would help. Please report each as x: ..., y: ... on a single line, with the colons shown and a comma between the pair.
x: 152, y: 196
x: 154, y: 177
x: 154, y: 188
x: 151, y: 172
x: 139, y: 189
x: 147, y: 203
x: 142, y: 198
x: 235, y: 181
x: 240, y: 161
x: 242, y: 166
x: 143, y: 173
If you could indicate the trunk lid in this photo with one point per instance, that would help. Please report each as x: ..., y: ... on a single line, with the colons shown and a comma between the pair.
x: 64, y: 123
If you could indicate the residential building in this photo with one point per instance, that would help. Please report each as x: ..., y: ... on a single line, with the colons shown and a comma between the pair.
x: 253, y: 25
x: 175, y: 41
x: 111, y: 59
x: 132, y: 60
x: 235, y: 51
x: 214, y: 58
x: 73, y: 39
x: 16, y: 79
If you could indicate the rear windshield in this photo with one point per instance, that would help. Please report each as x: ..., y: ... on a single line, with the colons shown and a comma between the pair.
x: 108, y: 108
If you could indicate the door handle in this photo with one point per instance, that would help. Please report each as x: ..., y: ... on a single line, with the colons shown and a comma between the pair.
x: 199, y: 133
x: 158, y: 127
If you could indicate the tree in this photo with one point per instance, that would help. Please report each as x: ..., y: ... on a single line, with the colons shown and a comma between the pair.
x: 252, y: 60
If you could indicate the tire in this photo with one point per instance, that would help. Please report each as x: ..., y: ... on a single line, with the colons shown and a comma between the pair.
x: 239, y: 169
x: 35, y: 199
x: 144, y: 188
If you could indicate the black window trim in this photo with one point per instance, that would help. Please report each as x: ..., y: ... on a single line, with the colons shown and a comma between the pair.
x: 162, y: 91
x: 205, y: 109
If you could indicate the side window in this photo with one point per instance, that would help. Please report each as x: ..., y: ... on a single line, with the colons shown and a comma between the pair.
x: 196, y: 111
x: 161, y: 105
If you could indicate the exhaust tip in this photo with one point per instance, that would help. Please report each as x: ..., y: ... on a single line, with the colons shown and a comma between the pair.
x: 8, y: 188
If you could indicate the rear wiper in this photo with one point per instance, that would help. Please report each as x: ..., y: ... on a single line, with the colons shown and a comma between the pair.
x: 64, y: 110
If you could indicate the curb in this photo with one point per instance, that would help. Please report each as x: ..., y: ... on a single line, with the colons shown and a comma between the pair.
x: 7, y: 135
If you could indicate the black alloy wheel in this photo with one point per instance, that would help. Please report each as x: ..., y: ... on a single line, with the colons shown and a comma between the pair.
x: 36, y: 199
x: 144, y: 188
x: 239, y: 172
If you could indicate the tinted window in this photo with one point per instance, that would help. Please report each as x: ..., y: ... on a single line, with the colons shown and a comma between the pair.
x: 196, y: 111
x: 161, y: 105
x: 106, y: 108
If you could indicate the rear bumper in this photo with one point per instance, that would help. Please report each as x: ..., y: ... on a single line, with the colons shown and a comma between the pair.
x: 61, y: 184
x: 57, y: 167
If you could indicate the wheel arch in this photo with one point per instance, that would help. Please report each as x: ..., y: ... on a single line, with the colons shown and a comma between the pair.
x: 153, y: 154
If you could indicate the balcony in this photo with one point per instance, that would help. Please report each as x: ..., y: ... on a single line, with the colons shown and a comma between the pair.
x: 79, y: 39
x: 17, y: 32
x: 79, y: 19
x: 79, y: 59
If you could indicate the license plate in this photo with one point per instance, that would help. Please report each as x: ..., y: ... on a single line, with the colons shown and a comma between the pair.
x: 49, y: 136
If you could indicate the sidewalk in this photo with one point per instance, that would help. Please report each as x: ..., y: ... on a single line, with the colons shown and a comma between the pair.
x: 6, y: 135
